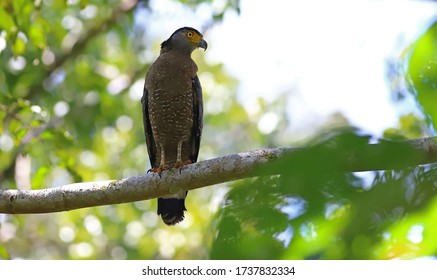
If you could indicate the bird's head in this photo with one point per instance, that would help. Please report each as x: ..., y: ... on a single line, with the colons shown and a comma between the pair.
x: 185, y: 39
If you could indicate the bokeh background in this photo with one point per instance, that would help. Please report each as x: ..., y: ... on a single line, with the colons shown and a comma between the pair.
x: 276, y: 74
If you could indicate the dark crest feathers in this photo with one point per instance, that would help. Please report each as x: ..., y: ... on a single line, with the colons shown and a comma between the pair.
x: 167, y: 43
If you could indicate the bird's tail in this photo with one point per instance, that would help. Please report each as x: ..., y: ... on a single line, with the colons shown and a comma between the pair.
x: 171, y: 210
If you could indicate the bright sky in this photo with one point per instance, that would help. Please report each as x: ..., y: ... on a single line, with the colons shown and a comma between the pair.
x: 328, y: 55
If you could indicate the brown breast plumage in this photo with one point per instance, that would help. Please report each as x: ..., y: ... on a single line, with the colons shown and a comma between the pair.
x: 169, y: 84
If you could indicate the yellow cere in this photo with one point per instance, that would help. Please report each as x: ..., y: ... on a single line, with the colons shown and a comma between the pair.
x: 193, y: 37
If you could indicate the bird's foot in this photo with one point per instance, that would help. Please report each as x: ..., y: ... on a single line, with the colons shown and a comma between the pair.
x: 158, y: 169
x: 179, y: 164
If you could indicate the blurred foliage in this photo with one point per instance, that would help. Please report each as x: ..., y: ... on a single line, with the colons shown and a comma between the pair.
x: 410, y: 126
x: 315, y: 210
x: 70, y: 87
x: 422, y: 72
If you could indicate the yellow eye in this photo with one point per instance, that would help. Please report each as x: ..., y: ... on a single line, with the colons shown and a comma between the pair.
x: 189, y: 34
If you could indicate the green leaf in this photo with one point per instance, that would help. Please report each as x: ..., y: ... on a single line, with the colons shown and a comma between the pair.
x: 39, y: 177
x: 83, y: 3
x: 412, y: 237
x: 422, y: 71
x: 24, y: 9
x: 37, y: 36
x: 7, y: 22
x: 18, y: 47
x: 4, y: 255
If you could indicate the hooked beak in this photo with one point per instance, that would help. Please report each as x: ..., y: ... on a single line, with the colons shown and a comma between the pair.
x: 203, y: 44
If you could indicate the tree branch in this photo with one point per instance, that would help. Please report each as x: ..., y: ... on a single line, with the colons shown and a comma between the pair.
x: 201, y: 174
